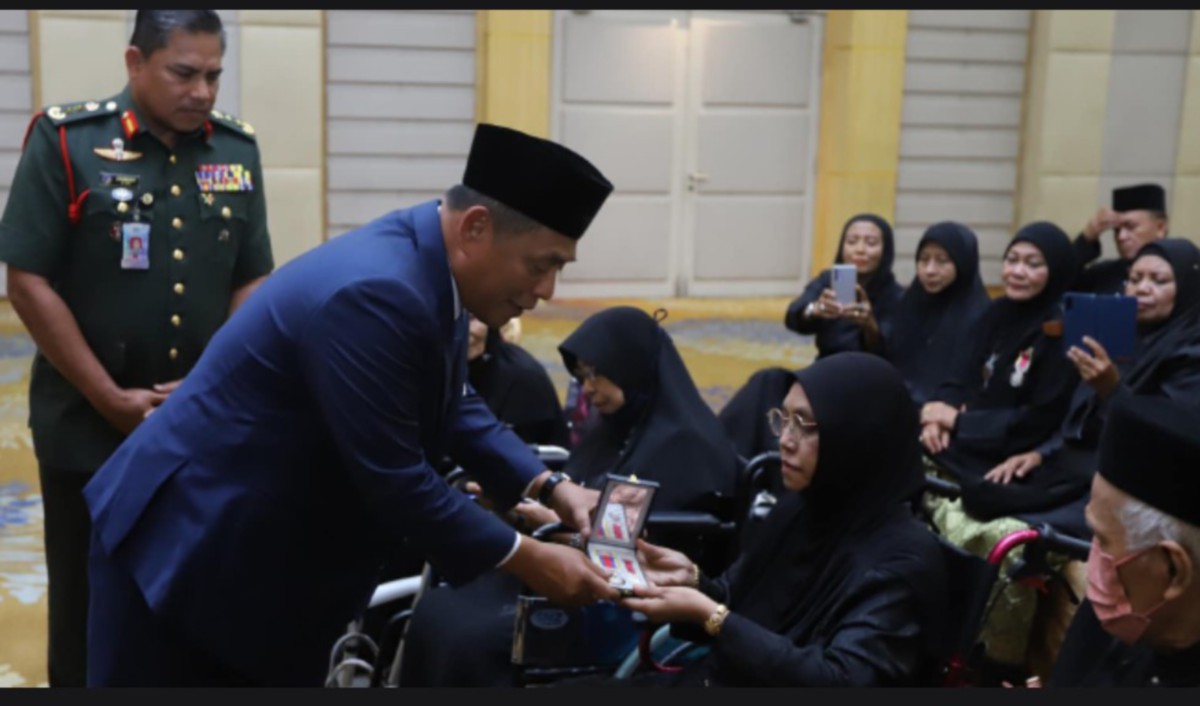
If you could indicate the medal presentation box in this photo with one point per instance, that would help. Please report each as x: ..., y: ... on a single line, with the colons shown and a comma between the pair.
x: 546, y: 635
x: 620, y: 517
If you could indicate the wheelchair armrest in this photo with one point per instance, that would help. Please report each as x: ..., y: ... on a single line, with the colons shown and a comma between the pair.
x: 395, y: 590
x: 941, y: 487
x: 702, y: 522
x: 550, y: 528
x: 555, y: 457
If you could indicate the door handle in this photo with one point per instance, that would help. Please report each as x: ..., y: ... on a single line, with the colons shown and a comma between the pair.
x: 695, y: 178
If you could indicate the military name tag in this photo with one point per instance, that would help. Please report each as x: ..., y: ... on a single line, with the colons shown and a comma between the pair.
x: 129, y: 181
x: 135, y: 246
x: 224, y: 177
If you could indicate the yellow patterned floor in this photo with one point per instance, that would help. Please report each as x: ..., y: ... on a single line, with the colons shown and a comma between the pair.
x: 722, y: 341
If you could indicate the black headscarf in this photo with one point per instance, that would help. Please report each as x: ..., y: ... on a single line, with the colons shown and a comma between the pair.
x: 928, y: 329
x: 1008, y: 326
x: 883, y: 279
x: 836, y: 336
x: 868, y: 473
x: 665, y: 431
x: 518, y: 390
x: 1156, y: 343
x: 1184, y: 258
x: 1012, y: 319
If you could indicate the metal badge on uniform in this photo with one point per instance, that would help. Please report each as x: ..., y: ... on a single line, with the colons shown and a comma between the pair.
x: 122, y: 194
x: 1020, y: 367
x: 129, y: 181
x: 118, y: 153
x: 135, y: 246
x: 224, y: 177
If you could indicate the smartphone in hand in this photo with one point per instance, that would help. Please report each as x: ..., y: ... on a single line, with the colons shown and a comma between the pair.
x: 845, y: 279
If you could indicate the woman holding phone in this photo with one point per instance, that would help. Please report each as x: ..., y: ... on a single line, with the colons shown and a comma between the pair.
x: 859, y: 322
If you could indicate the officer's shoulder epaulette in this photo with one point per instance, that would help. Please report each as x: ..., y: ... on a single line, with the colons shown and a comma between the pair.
x: 233, y: 124
x: 67, y: 113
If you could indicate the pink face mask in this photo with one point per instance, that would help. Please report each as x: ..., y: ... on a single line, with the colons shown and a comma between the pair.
x: 1107, y: 595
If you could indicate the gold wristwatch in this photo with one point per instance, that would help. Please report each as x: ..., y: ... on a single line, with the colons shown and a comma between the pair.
x: 712, y: 626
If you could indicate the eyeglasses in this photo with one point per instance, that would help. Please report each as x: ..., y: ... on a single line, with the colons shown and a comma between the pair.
x: 585, y: 374
x: 781, y: 420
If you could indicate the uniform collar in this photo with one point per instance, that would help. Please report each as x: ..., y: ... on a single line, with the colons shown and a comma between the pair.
x: 132, y: 123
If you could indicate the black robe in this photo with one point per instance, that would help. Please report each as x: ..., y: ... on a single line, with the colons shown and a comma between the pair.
x: 1103, y: 277
x: 1089, y: 656
x: 1015, y: 381
x: 845, y: 587
x: 835, y: 336
x: 519, y: 392
x: 928, y: 328
x: 665, y: 432
x: 1166, y: 364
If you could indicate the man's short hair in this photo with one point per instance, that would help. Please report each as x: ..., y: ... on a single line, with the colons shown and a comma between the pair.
x: 152, y: 28
x: 505, y: 219
x: 1146, y: 526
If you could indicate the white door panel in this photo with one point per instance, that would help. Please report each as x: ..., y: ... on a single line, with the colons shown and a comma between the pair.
x: 706, y: 124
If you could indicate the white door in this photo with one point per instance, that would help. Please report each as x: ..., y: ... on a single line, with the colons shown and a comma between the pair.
x: 706, y: 124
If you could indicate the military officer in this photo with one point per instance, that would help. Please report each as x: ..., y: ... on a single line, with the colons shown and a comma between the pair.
x: 135, y: 225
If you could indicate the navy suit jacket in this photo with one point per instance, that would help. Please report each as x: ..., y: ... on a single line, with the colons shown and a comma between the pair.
x: 255, y: 506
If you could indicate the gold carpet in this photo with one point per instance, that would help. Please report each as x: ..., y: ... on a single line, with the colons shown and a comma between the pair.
x: 722, y: 341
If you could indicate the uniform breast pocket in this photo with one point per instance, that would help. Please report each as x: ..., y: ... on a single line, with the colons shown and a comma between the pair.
x: 101, y: 227
x: 223, y: 224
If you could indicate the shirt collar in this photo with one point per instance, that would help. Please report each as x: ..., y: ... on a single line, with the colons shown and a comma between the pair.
x: 132, y: 123
x: 453, y: 282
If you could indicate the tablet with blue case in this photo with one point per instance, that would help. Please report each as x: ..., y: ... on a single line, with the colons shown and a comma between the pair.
x: 1111, y: 319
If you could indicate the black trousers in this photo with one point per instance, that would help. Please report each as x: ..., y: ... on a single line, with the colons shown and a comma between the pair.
x: 68, y: 530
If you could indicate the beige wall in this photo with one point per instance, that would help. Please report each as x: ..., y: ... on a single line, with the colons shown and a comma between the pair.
x: 1113, y: 98
x: 1063, y: 125
x: 276, y: 60
x: 1185, y: 206
x: 283, y: 96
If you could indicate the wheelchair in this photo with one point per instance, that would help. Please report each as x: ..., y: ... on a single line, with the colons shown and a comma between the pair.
x: 359, y: 660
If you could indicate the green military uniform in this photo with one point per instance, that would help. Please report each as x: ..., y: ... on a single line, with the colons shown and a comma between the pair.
x: 146, y: 317
x: 145, y: 326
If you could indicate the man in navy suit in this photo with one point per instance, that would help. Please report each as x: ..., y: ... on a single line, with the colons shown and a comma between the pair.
x: 241, y: 527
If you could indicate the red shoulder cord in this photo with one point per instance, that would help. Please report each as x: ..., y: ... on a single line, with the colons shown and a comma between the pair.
x: 75, y: 206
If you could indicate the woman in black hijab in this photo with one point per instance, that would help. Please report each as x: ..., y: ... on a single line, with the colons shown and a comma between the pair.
x: 653, y: 424
x: 844, y: 587
x: 663, y: 430
x: 866, y: 242
x: 515, y: 387
x: 943, y: 303
x: 1165, y: 277
x: 1012, y: 383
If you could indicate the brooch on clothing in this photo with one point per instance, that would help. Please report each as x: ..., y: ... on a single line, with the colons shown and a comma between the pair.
x: 1020, y: 367
x: 988, y: 368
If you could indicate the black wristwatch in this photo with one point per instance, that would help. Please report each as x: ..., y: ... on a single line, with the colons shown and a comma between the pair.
x: 549, y: 485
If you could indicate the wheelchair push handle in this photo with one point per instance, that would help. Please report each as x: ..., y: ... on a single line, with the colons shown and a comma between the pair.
x: 1063, y: 543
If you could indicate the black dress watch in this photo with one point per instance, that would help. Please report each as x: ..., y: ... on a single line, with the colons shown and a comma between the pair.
x: 549, y: 485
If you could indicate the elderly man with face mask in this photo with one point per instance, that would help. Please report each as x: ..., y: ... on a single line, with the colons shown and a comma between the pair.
x: 1141, y: 623
x: 1138, y: 216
